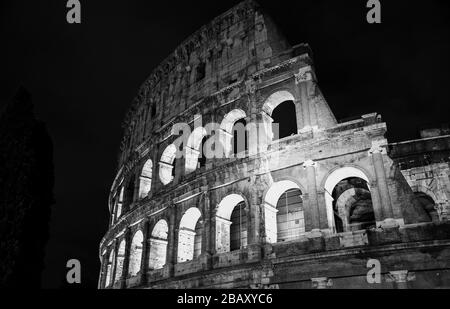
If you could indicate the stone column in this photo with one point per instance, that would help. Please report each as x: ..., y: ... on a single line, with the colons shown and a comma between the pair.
x: 304, y: 79
x: 313, y: 205
x: 172, y: 239
x: 222, y: 235
x: 305, y: 106
x: 299, y: 114
x: 155, y: 172
x: 207, y: 231
x: 126, y: 260
x: 254, y: 213
x: 103, y: 268
x: 376, y: 152
x: 376, y: 203
x: 145, y: 251
x: 135, y: 190
x: 323, y: 216
x: 115, y: 248
x: 212, y: 235
x: 206, y: 224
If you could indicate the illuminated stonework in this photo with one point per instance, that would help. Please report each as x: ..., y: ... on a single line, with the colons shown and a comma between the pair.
x: 306, y: 205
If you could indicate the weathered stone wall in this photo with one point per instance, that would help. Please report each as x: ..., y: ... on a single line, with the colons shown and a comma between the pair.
x: 249, y: 72
x: 222, y: 53
x: 425, y: 164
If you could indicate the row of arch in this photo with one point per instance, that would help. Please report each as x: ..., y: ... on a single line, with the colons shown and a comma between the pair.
x: 157, y: 255
x: 233, y: 138
x: 349, y: 208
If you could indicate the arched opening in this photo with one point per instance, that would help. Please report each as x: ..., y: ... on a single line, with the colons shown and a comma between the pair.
x: 428, y: 205
x: 281, y: 109
x: 202, y: 155
x: 194, y: 149
x: 284, y: 120
x: 189, y: 235
x: 119, y: 261
x: 109, y: 268
x: 283, y: 212
x: 231, y: 224
x: 352, y: 205
x: 290, y: 216
x: 200, y: 72
x: 167, y: 164
x: 135, y: 254
x: 348, y: 200
x: 145, y: 183
x: 240, y: 138
x: 158, y: 245
x: 227, y: 132
x: 238, y: 228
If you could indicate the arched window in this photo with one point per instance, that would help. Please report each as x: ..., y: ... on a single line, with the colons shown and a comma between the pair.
x: 167, y: 164
x: 189, y: 235
x: 338, y: 212
x: 231, y: 224
x: 109, y: 267
x: 428, y: 205
x: 194, y: 149
x: 284, y: 215
x: 227, y: 133
x: 238, y: 228
x: 290, y: 216
x: 240, y: 138
x: 352, y: 205
x: 202, y: 156
x: 284, y: 120
x: 281, y: 109
x: 129, y: 193
x: 119, y: 261
x: 158, y: 245
x: 145, y: 183
x: 135, y: 254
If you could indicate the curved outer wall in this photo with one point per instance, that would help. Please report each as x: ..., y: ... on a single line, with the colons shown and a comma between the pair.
x: 169, y: 229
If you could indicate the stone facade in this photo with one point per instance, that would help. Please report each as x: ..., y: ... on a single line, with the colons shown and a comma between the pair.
x: 303, y: 210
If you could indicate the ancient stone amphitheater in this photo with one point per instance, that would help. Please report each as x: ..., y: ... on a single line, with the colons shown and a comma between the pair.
x: 298, y: 199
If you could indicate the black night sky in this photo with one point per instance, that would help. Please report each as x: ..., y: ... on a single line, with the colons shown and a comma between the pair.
x: 84, y: 77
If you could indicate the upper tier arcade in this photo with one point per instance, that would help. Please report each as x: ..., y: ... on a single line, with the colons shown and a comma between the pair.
x: 289, y: 193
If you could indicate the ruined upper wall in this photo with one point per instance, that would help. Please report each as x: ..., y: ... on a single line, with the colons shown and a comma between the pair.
x: 231, y: 47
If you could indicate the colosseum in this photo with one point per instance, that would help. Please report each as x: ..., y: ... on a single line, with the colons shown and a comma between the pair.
x: 291, y: 198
